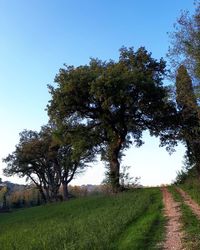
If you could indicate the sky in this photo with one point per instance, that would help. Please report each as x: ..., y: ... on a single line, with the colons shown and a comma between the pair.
x: 38, y: 37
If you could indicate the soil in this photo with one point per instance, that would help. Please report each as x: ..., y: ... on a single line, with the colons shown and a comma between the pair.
x: 174, y: 234
x: 189, y: 202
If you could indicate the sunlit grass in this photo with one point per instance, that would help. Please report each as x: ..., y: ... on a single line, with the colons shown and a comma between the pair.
x: 125, y: 221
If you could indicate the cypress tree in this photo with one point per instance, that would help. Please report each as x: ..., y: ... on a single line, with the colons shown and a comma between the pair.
x: 189, y: 116
x: 185, y: 96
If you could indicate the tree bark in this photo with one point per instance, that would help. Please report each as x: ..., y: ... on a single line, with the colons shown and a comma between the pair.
x: 114, y: 173
x: 65, y: 191
x: 48, y: 197
x: 197, y: 159
x: 40, y: 189
x: 114, y: 155
x: 42, y: 194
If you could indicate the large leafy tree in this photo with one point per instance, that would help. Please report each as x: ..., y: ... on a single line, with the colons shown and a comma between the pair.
x: 189, y: 114
x: 113, y: 101
x: 47, y: 161
x: 33, y: 159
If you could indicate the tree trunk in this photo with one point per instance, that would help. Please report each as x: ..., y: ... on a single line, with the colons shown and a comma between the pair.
x: 196, y: 153
x: 197, y: 163
x: 65, y: 190
x: 41, y: 191
x: 114, y: 174
x: 114, y: 155
x: 48, y: 197
x: 40, y: 188
x: 4, y: 201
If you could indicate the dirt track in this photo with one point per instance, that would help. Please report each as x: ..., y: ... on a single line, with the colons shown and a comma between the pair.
x: 189, y: 202
x: 174, y: 234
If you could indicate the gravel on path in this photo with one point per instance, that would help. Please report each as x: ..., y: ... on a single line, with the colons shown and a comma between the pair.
x: 174, y: 234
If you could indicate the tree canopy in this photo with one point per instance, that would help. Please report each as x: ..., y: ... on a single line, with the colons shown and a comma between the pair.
x: 185, y: 45
x: 46, y: 160
x: 113, y: 101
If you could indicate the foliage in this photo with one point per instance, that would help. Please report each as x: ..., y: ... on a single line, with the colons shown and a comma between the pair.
x: 24, y: 198
x: 189, y: 116
x: 185, y: 174
x: 33, y: 158
x: 46, y: 160
x: 113, y: 101
x: 74, y: 153
x: 86, y: 223
x: 126, y: 181
x: 185, y: 97
x: 185, y: 42
x: 3, y: 194
x: 78, y: 191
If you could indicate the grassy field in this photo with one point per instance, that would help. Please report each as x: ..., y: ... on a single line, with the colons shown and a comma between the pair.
x: 191, y: 224
x: 126, y: 221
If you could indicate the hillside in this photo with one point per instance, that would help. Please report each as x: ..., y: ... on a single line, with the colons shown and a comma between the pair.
x: 141, y: 219
x: 126, y: 221
x: 12, y: 187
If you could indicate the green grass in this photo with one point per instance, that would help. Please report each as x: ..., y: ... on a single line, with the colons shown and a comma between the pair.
x: 193, y: 189
x: 146, y: 232
x: 191, y: 225
x: 127, y: 221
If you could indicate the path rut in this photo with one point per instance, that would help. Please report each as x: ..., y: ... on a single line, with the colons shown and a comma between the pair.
x: 190, y: 202
x: 174, y: 235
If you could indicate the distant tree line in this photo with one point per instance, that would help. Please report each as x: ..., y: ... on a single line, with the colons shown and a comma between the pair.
x: 104, y: 107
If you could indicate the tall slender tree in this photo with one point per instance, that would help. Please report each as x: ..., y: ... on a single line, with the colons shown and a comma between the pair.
x: 189, y: 113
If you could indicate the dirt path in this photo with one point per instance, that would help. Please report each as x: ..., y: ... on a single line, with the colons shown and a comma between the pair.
x: 189, y: 202
x: 173, y: 230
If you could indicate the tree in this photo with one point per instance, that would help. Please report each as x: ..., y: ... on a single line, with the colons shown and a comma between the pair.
x: 190, y: 120
x: 47, y: 161
x: 32, y: 158
x: 3, y: 193
x: 184, y: 54
x: 113, y: 101
x: 185, y: 96
x: 73, y: 155
x: 185, y: 45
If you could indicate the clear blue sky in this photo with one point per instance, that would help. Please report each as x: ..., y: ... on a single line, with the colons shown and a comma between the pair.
x: 38, y: 36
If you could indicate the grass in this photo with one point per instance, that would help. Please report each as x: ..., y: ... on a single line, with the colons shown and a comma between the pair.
x: 191, y: 225
x: 146, y: 232
x: 192, y: 187
x: 127, y: 221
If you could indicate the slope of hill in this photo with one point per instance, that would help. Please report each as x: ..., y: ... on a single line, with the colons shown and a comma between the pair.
x: 126, y: 221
